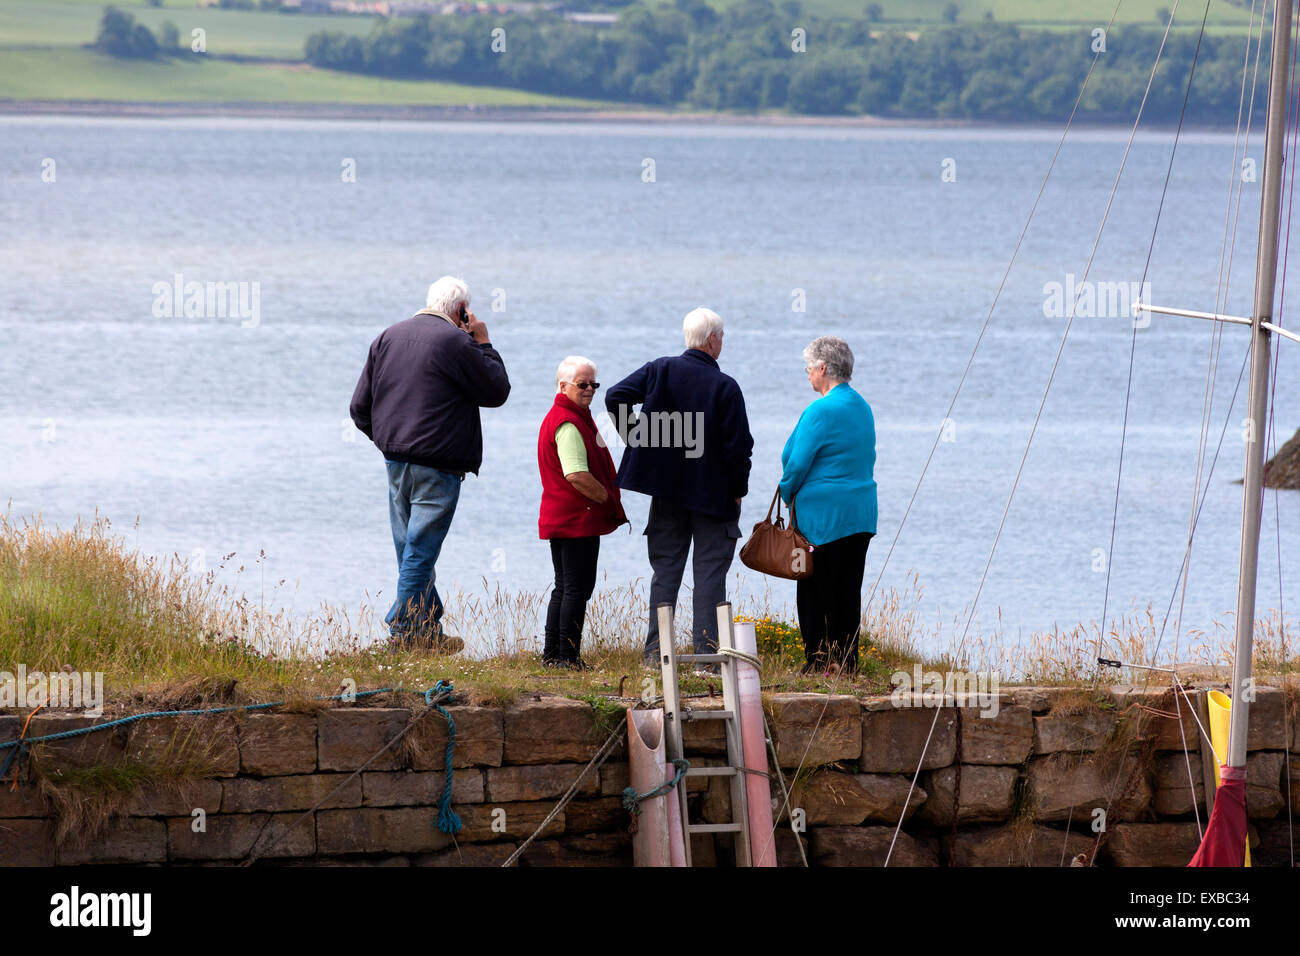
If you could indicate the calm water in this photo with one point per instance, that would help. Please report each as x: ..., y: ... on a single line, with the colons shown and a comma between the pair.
x: 217, y: 438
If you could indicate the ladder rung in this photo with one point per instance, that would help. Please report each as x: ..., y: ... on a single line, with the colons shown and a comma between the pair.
x: 713, y: 828
x: 712, y: 772
x: 702, y: 658
x: 708, y: 715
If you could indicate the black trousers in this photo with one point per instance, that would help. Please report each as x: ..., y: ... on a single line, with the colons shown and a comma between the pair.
x: 830, y: 603
x: 575, y: 578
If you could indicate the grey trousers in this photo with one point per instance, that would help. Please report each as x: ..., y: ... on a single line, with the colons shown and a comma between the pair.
x: 670, y: 532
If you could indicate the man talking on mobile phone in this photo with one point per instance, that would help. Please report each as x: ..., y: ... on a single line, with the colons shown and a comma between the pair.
x: 418, y: 400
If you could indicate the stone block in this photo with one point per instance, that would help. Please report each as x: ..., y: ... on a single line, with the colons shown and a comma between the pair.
x: 987, y: 794
x: 272, y: 745
x: 892, y: 739
x: 704, y: 736
x: 1074, y: 732
x: 596, y: 816
x: 1294, y: 788
x: 206, y: 745
x: 232, y: 836
x: 593, y: 849
x: 23, y: 802
x: 716, y: 805
x: 1069, y: 787
x: 538, y: 782
x: 127, y: 840
x: 787, y: 848
x: 348, y: 737
x: 73, y: 753
x: 1173, y: 795
x: 489, y: 823
x: 704, y: 851
x: 178, y: 799
x: 282, y: 794
x: 480, y: 739
x: 815, y: 729
x: 1151, y: 844
x: 469, y: 854
x: 405, y: 788
x: 1129, y: 701
x: 829, y: 798
x: 866, y: 846
x: 380, y: 830
x: 27, y: 842
x: 1001, y: 739
x: 1041, y: 700
x: 1019, y: 845
x: 1267, y: 724
x: 1273, y: 847
x: 1264, y: 799
x: 550, y: 730
x: 615, y: 778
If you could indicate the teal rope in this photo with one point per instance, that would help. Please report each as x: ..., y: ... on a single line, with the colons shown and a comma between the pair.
x: 448, y: 821
x: 632, y: 800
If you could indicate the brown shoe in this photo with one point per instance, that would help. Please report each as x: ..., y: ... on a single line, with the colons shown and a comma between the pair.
x: 436, y: 641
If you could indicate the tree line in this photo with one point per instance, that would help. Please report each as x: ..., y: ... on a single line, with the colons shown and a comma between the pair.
x: 760, y: 55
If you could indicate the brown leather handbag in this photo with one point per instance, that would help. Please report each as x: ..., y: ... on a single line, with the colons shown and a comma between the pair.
x: 777, y: 550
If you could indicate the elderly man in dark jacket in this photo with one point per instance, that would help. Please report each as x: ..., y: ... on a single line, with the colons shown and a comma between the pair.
x: 689, y: 449
x: 418, y: 400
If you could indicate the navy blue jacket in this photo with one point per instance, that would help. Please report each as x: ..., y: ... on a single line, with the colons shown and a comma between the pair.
x: 690, y: 444
x: 419, y: 394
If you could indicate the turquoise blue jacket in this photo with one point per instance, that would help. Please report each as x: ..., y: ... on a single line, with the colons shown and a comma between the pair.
x: 828, y: 466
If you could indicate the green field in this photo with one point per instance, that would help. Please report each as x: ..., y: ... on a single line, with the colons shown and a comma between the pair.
x: 243, y: 32
x: 72, y: 74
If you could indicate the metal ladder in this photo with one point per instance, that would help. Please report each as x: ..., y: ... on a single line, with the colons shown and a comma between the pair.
x: 675, y: 716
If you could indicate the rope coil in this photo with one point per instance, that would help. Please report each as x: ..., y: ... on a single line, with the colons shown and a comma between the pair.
x: 632, y: 800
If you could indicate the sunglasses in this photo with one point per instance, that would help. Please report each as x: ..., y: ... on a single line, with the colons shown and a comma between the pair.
x: 586, y: 385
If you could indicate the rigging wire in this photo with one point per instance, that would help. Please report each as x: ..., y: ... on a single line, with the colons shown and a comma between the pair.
x: 1042, y: 403
x: 1128, y: 390
x: 969, y: 362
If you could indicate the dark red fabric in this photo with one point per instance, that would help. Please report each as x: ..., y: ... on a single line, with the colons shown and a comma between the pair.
x: 1224, y: 843
x: 566, y: 512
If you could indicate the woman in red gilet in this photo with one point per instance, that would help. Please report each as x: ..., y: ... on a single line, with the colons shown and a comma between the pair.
x: 580, y: 502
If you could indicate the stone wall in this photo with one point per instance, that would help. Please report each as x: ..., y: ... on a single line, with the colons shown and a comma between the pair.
x: 1018, y: 788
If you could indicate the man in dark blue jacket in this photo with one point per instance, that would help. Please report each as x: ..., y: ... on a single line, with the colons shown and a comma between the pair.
x: 689, y: 449
x: 418, y: 400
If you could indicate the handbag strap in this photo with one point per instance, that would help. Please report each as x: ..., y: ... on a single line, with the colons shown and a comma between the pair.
x: 774, y: 506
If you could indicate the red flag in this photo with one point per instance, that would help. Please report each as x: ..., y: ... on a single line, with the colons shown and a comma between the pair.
x: 1224, y: 843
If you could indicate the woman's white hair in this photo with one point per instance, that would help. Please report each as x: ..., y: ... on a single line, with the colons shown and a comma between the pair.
x: 698, y: 325
x: 447, y: 295
x: 835, y: 352
x: 570, y: 367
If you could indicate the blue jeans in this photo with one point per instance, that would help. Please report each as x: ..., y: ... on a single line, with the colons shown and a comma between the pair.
x: 421, y: 503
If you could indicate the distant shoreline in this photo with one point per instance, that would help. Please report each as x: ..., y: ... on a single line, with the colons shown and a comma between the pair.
x: 354, y: 111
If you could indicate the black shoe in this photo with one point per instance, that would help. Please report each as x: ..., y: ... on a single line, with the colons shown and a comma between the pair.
x: 578, y: 664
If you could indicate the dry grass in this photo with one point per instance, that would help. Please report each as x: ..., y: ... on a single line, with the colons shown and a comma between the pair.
x: 167, y: 638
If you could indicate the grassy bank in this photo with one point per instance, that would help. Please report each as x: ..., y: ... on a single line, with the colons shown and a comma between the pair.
x: 79, y: 599
x: 77, y: 74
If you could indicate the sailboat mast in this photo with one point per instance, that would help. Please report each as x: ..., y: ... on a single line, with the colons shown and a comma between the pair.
x: 1265, y: 280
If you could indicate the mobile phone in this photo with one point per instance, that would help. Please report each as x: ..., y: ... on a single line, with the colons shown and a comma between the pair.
x: 463, y: 316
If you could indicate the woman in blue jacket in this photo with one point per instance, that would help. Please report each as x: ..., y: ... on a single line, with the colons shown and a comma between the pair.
x: 827, y: 468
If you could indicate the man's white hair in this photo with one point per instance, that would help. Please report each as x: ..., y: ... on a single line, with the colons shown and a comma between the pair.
x: 447, y: 295
x: 698, y: 325
x: 571, y: 366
